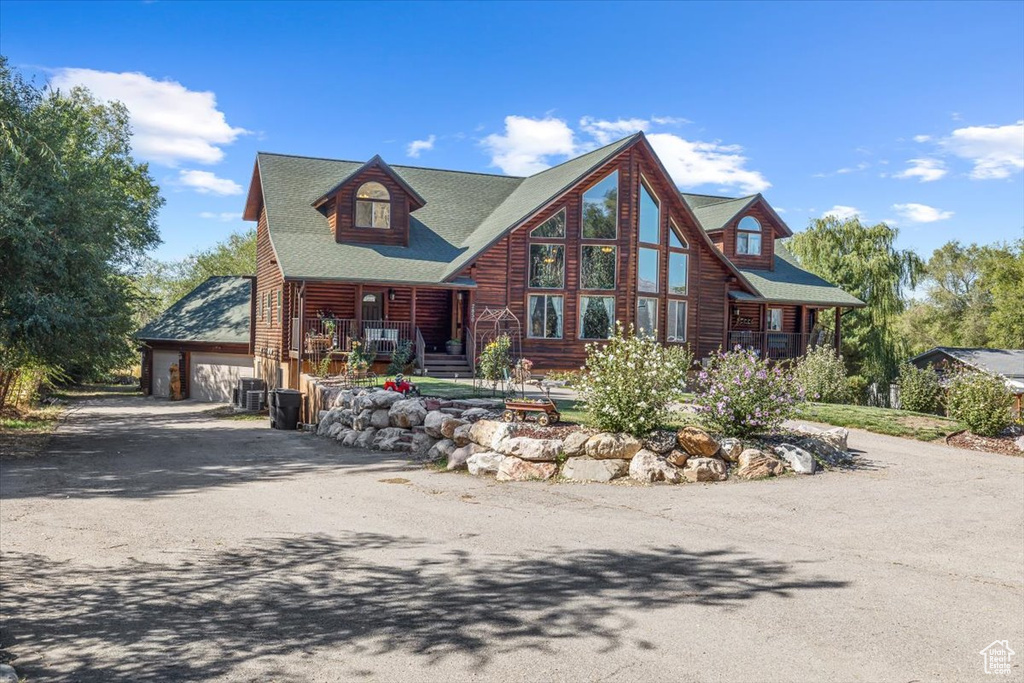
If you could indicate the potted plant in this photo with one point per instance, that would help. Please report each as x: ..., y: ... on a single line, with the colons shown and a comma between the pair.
x: 453, y: 347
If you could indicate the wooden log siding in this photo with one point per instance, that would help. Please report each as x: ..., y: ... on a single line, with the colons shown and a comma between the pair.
x: 270, y: 333
x: 726, y: 238
x: 344, y: 206
x: 502, y: 272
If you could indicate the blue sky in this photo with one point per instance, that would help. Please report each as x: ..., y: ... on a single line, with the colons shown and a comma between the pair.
x: 906, y: 112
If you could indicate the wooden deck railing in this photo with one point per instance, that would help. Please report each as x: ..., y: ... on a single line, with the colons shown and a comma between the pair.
x: 778, y: 345
x: 337, y: 334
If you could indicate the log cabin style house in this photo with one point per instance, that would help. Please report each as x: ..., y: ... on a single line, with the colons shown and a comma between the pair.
x: 379, y: 254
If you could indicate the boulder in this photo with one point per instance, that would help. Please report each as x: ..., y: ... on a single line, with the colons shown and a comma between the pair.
x: 448, y: 425
x: 441, y: 449
x: 407, y: 413
x: 361, y: 421
x: 327, y: 419
x: 343, y: 399
x: 660, y: 442
x: 705, y: 469
x: 422, y: 443
x: 488, y: 433
x: 384, y: 399
x: 696, y: 441
x: 350, y: 438
x: 380, y: 418
x: 731, y: 449
x: 474, y: 414
x: 8, y: 674
x: 347, y: 416
x: 332, y: 431
x: 433, y: 421
x: 392, y: 438
x: 799, y: 460
x: 365, y: 438
x: 649, y: 467
x: 462, y: 435
x: 517, y: 469
x: 534, y: 450
x: 608, y: 446
x: 837, y: 437
x: 1019, y: 443
x: 677, y: 457
x: 485, y: 462
x: 574, y: 445
x: 585, y: 469
x: 343, y: 433
x: 458, y: 457
x: 755, y: 464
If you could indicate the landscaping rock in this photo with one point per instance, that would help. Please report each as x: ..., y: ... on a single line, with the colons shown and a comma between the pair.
x: 660, y: 442
x: 346, y: 417
x: 731, y: 449
x: 574, y: 445
x: 608, y: 446
x: 457, y: 459
x: 422, y: 443
x: 488, y: 433
x: 365, y: 438
x: 449, y: 423
x: 534, y: 450
x: 755, y: 464
x: 380, y: 418
x: 837, y: 437
x: 332, y: 431
x: 474, y: 414
x: 384, y: 399
x: 441, y: 449
x: 1020, y: 443
x: 327, y: 419
x: 649, y: 467
x: 362, y: 421
x: 677, y: 457
x: 392, y: 438
x: 696, y: 442
x: 407, y: 413
x: 343, y: 399
x: 432, y: 422
x: 824, y: 451
x: 799, y: 460
x: 344, y: 432
x: 462, y: 435
x: 705, y: 469
x: 350, y: 438
x: 585, y: 469
x: 517, y: 469
x: 486, y: 462
x: 8, y: 674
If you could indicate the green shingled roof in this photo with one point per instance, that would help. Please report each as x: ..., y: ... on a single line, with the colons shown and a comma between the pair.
x: 216, y: 311
x: 464, y: 214
x: 791, y: 284
x: 714, y: 213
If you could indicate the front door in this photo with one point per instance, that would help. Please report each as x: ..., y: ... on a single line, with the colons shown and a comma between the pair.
x: 373, y: 306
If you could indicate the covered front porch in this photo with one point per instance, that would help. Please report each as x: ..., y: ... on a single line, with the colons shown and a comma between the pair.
x: 781, y: 331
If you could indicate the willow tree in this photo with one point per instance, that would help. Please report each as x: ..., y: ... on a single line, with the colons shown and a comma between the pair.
x: 865, y: 262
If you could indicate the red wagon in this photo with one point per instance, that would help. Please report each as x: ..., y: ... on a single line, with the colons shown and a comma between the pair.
x: 520, y: 408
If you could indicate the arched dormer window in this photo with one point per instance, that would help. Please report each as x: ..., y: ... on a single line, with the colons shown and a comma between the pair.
x: 373, y: 206
x: 748, y: 237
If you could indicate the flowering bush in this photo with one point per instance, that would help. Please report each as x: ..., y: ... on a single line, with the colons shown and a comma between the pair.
x: 740, y: 394
x: 496, y: 359
x: 980, y: 400
x: 629, y: 381
x: 359, y: 358
x: 821, y: 376
x: 920, y: 390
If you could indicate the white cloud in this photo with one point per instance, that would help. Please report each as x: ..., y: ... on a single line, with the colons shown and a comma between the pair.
x: 528, y: 144
x: 841, y: 212
x: 417, y: 146
x: 223, y: 216
x: 995, y: 151
x: 669, y: 120
x: 205, y: 182
x: 922, y: 138
x: 605, y: 132
x: 171, y: 124
x: 926, y: 170
x: 706, y: 163
x: 921, y: 213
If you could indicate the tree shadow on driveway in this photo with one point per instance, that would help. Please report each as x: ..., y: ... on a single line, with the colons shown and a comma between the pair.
x: 363, y: 595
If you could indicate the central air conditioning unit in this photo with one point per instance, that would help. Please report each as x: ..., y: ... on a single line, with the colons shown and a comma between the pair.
x: 247, y: 385
x: 254, y: 400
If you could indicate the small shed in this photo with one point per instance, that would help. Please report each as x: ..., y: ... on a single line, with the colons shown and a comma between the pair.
x: 208, y: 335
x: 1005, y: 363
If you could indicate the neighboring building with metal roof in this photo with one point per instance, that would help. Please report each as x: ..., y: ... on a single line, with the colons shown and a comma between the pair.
x: 377, y: 253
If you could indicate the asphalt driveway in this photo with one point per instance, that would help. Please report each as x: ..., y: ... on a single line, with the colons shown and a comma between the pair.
x: 155, y: 543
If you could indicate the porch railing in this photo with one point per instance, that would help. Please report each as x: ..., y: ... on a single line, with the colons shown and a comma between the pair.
x: 421, y: 350
x: 779, y: 345
x: 337, y: 334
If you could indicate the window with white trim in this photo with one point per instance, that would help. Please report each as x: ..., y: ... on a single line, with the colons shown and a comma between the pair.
x: 774, y: 319
x: 373, y: 206
x: 677, y: 321
x: 545, y: 313
x: 748, y: 237
x: 597, y: 316
x: 647, y: 315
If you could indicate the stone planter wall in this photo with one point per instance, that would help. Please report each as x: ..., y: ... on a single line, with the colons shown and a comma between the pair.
x: 465, y: 434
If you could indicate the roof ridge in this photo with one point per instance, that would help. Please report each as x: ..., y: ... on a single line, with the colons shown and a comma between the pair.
x: 418, y: 168
x: 620, y: 141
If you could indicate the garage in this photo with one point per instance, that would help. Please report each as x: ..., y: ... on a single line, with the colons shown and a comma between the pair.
x: 209, y: 332
x: 212, y: 376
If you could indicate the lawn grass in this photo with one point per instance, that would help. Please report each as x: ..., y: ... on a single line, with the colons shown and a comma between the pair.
x: 573, y: 411
x: 920, y: 426
x: 228, y: 413
x: 24, y: 432
x: 446, y: 388
x: 81, y: 392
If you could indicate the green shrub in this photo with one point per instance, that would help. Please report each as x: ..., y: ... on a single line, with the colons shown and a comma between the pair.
x: 980, y: 401
x: 857, y: 389
x: 496, y: 360
x: 821, y: 376
x: 740, y: 394
x: 629, y: 381
x: 401, y: 356
x: 920, y: 389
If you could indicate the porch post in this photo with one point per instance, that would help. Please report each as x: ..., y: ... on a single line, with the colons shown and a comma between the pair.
x: 413, y: 313
x: 839, y: 324
x: 764, y: 330
x: 299, y: 292
x: 359, y: 312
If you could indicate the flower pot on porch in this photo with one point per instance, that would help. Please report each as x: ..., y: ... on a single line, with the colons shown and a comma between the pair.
x: 453, y: 347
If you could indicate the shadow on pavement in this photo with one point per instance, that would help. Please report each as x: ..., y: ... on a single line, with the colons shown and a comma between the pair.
x: 358, y: 594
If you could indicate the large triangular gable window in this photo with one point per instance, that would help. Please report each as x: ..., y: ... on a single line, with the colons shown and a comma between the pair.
x: 552, y: 228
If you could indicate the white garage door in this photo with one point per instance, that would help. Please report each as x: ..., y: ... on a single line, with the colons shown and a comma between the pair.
x: 214, y: 375
x: 162, y: 362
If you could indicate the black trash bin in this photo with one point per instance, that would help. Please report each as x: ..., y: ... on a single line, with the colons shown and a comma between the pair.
x: 284, y: 408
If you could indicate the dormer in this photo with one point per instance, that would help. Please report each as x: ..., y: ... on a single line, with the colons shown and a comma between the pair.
x: 747, y: 238
x: 370, y: 206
